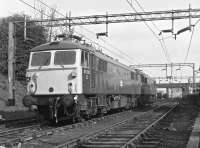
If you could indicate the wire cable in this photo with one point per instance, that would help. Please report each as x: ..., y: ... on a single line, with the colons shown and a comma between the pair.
x: 106, y: 42
x: 101, y: 46
x: 144, y: 11
x: 123, y: 53
x: 75, y: 31
x: 162, y: 42
x: 197, y: 22
x: 190, y: 42
x: 186, y: 57
x: 34, y: 8
x: 155, y: 35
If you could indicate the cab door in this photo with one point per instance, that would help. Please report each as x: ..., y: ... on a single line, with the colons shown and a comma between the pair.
x: 86, y: 74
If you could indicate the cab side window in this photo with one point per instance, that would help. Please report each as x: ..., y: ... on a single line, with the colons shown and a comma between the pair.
x: 132, y: 76
x: 85, y: 59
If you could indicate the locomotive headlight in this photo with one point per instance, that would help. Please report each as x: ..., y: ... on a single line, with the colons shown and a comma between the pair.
x: 32, y: 87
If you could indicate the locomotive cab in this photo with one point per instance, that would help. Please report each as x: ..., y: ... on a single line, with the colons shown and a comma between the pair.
x: 54, y: 72
x: 54, y: 77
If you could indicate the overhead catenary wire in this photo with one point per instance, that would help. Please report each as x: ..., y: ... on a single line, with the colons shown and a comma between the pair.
x: 190, y: 42
x: 144, y: 11
x: 121, y: 55
x: 124, y: 55
x: 189, y: 46
x: 162, y: 41
x: 196, y: 22
x: 105, y: 41
x: 34, y: 8
x: 167, y: 37
x: 101, y: 46
x: 112, y: 46
x: 155, y: 35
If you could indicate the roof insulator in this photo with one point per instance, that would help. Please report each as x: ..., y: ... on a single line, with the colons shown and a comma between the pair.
x: 54, y: 43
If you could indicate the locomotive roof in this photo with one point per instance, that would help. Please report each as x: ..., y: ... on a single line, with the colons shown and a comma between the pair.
x: 60, y: 45
x: 69, y: 44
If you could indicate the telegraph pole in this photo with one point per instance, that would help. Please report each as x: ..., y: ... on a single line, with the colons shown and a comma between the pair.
x: 11, y: 50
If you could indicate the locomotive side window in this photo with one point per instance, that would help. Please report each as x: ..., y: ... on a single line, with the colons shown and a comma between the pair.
x: 93, y: 61
x: 85, y: 59
x: 145, y: 80
x: 100, y: 64
x: 132, y: 76
x: 82, y: 58
x: 139, y: 77
x: 142, y: 77
x: 65, y: 57
x: 104, y: 66
x: 41, y: 59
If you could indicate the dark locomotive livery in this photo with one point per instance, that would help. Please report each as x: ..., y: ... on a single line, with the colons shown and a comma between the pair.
x: 67, y: 79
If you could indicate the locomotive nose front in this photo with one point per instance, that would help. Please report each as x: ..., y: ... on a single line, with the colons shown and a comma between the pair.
x: 59, y: 76
x: 52, y: 82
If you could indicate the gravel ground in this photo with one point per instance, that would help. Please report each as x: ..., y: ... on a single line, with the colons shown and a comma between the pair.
x: 71, y: 134
x: 182, y: 122
x: 175, y: 129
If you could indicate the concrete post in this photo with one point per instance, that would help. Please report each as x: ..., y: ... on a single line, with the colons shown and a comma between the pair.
x: 11, y: 49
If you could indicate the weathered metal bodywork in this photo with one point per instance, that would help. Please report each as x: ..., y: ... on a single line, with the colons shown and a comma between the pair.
x: 91, y: 83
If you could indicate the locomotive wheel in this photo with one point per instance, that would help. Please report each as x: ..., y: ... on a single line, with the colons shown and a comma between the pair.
x: 77, y: 116
x: 71, y: 113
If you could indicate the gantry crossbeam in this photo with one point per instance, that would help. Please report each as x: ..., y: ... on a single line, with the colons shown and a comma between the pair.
x: 136, y: 17
x: 124, y: 17
x: 162, y: 65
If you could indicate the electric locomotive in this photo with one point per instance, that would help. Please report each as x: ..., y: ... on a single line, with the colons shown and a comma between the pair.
x: 69, y: 79
x: 148, y: 90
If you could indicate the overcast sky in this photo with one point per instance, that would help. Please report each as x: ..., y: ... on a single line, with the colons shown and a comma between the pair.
x: 133, y: 39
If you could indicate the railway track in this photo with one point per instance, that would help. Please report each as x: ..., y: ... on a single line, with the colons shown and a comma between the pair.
x: 7, y: 126
x: 123, y: 134
x: 11, y: 137
x: 18, y: 136
x: 19, y: 122
x: 171, y: 130
x: 77, y: 140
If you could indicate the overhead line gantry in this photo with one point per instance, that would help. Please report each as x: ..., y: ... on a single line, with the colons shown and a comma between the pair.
x: 124, y: 17
x: 171, y: 65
